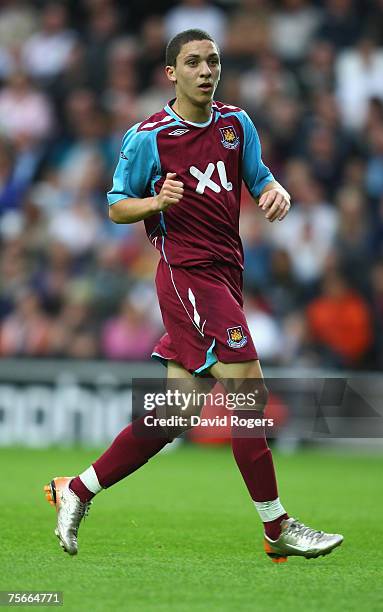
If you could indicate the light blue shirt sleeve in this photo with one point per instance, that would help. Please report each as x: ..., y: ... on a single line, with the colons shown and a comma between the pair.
x: 255, y: 174
x: 138, y: 164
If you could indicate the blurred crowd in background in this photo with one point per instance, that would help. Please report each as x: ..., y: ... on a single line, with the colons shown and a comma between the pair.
x: 74, y: 76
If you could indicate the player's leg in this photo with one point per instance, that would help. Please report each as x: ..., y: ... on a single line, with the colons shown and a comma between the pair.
x: 252, y: 454
x: 129, y: 451
x: 284, y: 536
x: 194, y: 388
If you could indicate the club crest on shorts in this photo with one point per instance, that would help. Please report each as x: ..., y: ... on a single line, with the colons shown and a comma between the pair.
x: 236, y: 337
x: 229, y: 139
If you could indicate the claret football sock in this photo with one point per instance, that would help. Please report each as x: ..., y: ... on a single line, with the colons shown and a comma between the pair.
x: 255, y: 462
x: 82, y: 491
x: 273, y: 528
x: 130, y: 450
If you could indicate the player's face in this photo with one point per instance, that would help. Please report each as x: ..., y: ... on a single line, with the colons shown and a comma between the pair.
x: 197, y: 71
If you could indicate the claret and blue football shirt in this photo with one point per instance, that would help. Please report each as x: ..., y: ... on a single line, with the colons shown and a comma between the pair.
x: 211, y: 159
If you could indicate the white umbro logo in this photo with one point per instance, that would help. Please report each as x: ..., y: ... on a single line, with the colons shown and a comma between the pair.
x: 178, y: 132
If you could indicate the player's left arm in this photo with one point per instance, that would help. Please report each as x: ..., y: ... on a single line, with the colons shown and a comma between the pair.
x: 275, y: 201
x: 271, y: 197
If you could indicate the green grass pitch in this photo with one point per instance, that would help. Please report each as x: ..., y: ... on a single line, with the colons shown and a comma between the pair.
x: 182, y: 534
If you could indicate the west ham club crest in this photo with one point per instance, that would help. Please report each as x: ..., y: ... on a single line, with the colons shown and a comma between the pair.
x: 236, y: 337
x: 229, y: 139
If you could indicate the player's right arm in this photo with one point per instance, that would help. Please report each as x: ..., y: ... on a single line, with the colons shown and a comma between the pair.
x: 130, y: 210
x: 136, y: 173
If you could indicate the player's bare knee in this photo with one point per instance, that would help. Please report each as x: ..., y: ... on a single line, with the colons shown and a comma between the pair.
x: 261, y: 395
x: 248, y: 393
x: 256, y: 392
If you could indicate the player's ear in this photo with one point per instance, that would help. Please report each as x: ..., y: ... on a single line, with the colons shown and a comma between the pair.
x: 170, y: 73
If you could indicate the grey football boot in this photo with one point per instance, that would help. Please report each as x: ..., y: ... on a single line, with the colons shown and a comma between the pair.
x: 298, y: 540
x: 70, y: 512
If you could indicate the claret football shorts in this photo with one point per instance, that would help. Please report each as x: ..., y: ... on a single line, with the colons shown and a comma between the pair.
x: 202, y: 310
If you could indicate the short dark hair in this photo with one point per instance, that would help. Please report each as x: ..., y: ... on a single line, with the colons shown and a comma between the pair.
x: 174, y: 45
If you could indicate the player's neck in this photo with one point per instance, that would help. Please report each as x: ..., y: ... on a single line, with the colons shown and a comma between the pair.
x: 188, y: 111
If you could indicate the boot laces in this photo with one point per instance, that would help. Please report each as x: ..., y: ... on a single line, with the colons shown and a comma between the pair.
x: 81, y: 511
x: 302, y: 530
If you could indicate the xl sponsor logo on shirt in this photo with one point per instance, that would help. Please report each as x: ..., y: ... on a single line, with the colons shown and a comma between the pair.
x: 205, y: 180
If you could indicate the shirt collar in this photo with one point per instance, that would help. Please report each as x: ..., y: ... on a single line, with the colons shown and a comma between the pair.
x: 170, y: 111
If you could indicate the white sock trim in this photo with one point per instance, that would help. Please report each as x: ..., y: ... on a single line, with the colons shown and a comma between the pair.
x: 269, y: 510
x: 90, y: 480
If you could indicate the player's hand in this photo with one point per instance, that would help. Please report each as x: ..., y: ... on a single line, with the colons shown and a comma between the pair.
x: 172, y: 192
x: 276, y: 204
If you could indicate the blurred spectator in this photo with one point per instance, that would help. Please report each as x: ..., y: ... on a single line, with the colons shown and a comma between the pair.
x: 81, y: 159
x: 53, y: 277
x: 341, y: 24
x: 359, y: 73
x: 34, y: 226
x: 156, y: 96
x: 76, y: 227
x: 229, y: 88
x: 308, y: 231
x: 103, y: 26
x: 46, y: 52
x: 283, y: 118
x: 15, y: 271
x: 121, y: 85
x: 373, y: 21
x: 24, y: 110
x: 374, y: 169
x: 128, y: 335
x: 282, y: 292
x: 18, y: 20
x: 12, y: 185
x: 352, y: 242
x: 265, y: 332
x: 248, y: 35
x: 48, y: 194
x: 325, y: 114
x: 151, y: 52
x: 265, y: 81
x: 196, y: 14
x: 324, y: 154
x: 109, y: 279
x: 317, y: 72
x: 340, y: 323
x: 80, y: 107
x: 354, y: 172
x: 293, y: 25
x: 257, y: 249
x: 296, y: 348
x: 25, y: 332
x: 374, y: 114
x: 325, y: 142
x: 74, y: 332
x: 138, y: 255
